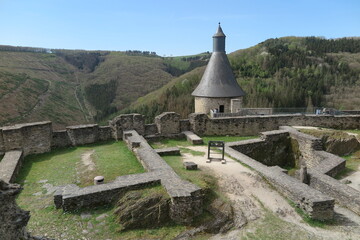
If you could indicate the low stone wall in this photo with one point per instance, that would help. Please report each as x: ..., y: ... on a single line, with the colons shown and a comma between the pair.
x: 2, y: 146
x: 186, y: 198
x: 343, y: 194
x: 126, y: 122
x: 168, y: 123
x: 83, y: 134
x: 105, y: 133
x: 314, y: 203
x: 80, y: 135
x: 10, y: 165
x: 201, y: 124
x: 184, y: 125
x: 327, y: 166
x: 31, y: 138
x: 151, y: 129
x: 72, y: 198
x: 272, y: 148
x: 307, y: 146
x: 60, y: 139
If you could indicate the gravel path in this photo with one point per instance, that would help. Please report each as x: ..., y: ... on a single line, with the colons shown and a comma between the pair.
x: 250, y: 194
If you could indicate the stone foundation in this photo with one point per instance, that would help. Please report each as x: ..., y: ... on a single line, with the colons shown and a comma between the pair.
x: 316, y: 204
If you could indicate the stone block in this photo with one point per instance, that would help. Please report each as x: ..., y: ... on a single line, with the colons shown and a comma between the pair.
x: 10, y: 165
x: 171, y: 151
x: 190, y: 166
x: 193, y: 138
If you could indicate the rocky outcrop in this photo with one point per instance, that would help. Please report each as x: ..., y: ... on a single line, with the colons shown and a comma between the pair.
x: 222, y: 220
x: 138, y: 209
x: 336, y: 142
x: 341, y: 146
x: 13, y: 220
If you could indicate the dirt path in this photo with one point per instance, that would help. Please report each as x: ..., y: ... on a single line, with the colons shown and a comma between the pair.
x: 250, y: 194
x: 87, y: 161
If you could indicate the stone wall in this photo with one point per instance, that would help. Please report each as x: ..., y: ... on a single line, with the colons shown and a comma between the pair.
x: 201, y: 124
x: 60, y: 139
x: 273, y: 148
x: 322, y: 168
x: 126, y: 122
x: 10, y: 165
x: 168, y: 123
x: 343, y: 194
x: 307, y: 147
x: 73, y: 197
x: 83, y: 134
x: 316, y: 204
x: 186, y: 198
x: 2, y: 146
x: 151, y: 129
x: 32, y: 138
x: 105, y: 133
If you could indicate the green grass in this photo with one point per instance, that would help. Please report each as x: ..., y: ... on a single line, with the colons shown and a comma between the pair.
x: 64, y: 166
x: 271, y: 227
x: 357, y: 131
x: 60, y: 167
x: 352, y: 165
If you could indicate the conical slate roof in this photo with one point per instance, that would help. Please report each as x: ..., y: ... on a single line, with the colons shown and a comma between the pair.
x: 219, y: 32
x: 218, y: 80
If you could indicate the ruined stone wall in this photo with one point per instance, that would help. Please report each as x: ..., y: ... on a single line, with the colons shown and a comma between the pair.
x: 60, y: 139
x: 2, y: 146
x: 168, y: 123
x: 344, y: 195
x: 313, y: 202
x: 10, y: 165
x: 32, y: 138
x: 201, y: 124
x: 273, y: 148
x: 126, y: 122
x: 307, y: 147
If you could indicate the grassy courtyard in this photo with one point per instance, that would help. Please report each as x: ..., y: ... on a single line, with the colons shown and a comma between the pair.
x: 41, y: 174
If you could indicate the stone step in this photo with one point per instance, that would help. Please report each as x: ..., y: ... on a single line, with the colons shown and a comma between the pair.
x: 193, y: 138
x: 171, y: 151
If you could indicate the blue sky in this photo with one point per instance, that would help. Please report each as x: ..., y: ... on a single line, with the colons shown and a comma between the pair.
x: 170, y: 27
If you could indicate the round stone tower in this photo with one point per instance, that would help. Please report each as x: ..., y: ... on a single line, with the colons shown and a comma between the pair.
x: 218, y: 89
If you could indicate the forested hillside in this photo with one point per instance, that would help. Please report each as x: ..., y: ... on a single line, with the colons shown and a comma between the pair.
x: 75, y: 86
x: 280, y: 73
